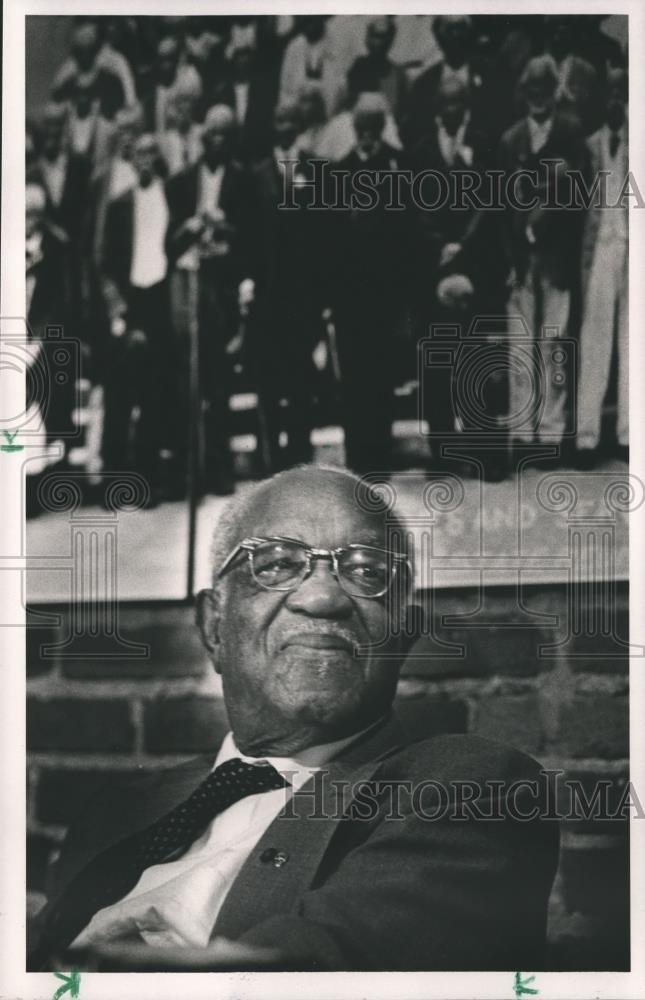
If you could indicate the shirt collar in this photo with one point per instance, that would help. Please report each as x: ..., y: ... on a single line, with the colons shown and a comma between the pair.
x: 297, y: 769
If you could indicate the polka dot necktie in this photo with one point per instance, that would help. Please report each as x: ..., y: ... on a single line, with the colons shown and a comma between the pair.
x: 231, y: 781
x: 115, y: 871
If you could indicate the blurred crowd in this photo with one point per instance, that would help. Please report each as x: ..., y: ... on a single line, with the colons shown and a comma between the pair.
x: 155, y: 235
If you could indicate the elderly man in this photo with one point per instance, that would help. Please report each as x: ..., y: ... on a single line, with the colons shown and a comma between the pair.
x: 289, y: 844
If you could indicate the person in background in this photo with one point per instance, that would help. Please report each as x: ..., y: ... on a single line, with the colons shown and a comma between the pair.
x: 309, y: 57
x: 180, y: 144
x: 134, y: 279
x: 449, y: 244
x: 375, y: 71
x: 369, y: 260
x: 48, y: 302
x: 313, y: 121
x: 461, y: 60
x: 85, y: 65
x: 542, y: 250
x: 208, y: 245
x: 249, y: 87
x: 90, y: 135
x: 338, y: 137
x: 605, y: 289
x: 595, y: 46
x: 171, y: 76
x: 288, y: 266
x: 578, y: 84
x: 65, y: 176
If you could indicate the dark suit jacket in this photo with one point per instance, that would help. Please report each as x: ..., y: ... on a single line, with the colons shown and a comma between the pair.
x: 355, y: 893
x: 182, y: 192
x: 256, y: 133
x: 557, y: 230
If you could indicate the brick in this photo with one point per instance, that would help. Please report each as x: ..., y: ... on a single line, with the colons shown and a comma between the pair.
x: 423, y: 717
x: 37, y: 637
x: 487, y: 650
x: 595, y: 727
x: 175, y: 649
x: 601, y: 645
x: 79, y: 724
x: 612, y: 788
x: 509, y: 719
x: 64, y: 793
x: 184, y: 725
x: 39, y: 852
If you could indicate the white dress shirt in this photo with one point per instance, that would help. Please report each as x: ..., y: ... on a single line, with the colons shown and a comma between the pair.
x: 54, y: 173
x: 149, y: 262
x: 177, y: 903
x: 539, y: 133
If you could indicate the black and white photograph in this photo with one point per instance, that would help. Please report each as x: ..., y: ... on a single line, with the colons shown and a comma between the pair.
x: 319, y: 496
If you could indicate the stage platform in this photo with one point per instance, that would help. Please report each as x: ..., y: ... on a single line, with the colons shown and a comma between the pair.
x: 532, y: 528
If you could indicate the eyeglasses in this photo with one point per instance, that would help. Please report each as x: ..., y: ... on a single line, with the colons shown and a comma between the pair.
x: 284, y: 563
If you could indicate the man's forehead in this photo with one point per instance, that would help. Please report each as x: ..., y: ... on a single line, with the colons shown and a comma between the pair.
x: 321, y: 509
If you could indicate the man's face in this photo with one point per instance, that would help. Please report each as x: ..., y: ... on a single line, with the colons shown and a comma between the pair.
x: 285, y: 128
x: 378, y: 39
x: 287, y: 660
x: 540, y: 100
x: 455, y: 40
x: 216, y: 141
x: 167, y: 61
x: 52, y: 137
x: 85, y: 47
x: 368, y: 126
x: 145, y: 154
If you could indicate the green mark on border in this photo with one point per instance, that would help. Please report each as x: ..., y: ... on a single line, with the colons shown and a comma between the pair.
x: 521, y: 986
x: 11, y: 446
x: 71, y: 984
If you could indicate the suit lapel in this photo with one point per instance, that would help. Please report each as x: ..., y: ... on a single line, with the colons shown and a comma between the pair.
x: 284, y: 862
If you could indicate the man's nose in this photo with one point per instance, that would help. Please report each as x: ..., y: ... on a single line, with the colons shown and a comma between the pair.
x: 320, y: 594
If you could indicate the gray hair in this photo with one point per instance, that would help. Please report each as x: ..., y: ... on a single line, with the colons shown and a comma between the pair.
x: 228, y: 531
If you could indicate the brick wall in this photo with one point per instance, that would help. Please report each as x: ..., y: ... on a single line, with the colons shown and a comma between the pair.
x: 567, y: 706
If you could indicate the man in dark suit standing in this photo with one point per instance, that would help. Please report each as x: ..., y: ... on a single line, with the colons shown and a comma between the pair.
x: 314, y: 837
x: 134, y: 281
x: 451, y: 238
x: 542, y: 249
x: 288, y: 273
x: 208, y: 245
x: 250, y: 89
x: 369, y: 262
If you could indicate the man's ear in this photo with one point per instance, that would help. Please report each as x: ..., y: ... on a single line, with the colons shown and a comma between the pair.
x: 207, y: 620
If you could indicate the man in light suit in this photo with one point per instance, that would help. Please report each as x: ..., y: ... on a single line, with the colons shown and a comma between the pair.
x: 605, y: 296
x: 295, y: 849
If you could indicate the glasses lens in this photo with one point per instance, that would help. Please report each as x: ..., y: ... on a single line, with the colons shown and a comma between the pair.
x: 279, y: 564
x: 364, y: 572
